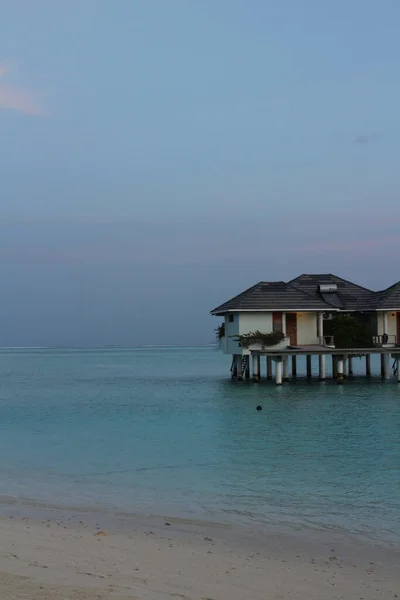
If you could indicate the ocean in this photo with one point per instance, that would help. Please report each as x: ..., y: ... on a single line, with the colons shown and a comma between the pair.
x: 163, y: 431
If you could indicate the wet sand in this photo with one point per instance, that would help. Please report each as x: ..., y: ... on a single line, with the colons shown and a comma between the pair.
x: 61, y: 559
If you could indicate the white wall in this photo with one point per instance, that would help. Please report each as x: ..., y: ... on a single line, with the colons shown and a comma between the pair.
x: 391, y: 321
x: 307, y: 332
x: 255, y: 322
x: 231, y: 330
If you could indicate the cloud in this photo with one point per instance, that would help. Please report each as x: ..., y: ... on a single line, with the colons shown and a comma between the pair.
x: 14, y: 98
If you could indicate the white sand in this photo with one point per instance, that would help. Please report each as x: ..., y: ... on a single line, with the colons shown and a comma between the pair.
x: 46, y: 561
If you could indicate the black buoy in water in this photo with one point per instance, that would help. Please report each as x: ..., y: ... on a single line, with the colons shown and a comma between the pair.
x: 259, y: 407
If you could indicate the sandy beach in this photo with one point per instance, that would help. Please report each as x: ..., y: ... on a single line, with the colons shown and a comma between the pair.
x: 58, y: 559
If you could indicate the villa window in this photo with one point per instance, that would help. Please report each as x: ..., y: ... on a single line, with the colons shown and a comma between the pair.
x: 277, y: 324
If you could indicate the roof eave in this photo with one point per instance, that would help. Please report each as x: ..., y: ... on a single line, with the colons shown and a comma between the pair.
x: 292, y: 310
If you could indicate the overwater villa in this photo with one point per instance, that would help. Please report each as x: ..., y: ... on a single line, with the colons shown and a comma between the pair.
x: 310, y: 315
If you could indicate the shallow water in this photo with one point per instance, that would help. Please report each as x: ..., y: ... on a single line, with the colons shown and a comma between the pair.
x: 164, y: 431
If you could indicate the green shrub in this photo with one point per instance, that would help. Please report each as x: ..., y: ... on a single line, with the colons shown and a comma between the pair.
x: 257, y: 337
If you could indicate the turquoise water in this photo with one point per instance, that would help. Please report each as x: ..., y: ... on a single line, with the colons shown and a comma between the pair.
x: 164, y: 431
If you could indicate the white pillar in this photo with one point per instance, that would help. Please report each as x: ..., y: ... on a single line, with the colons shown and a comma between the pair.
x: 340, y: 369
x: 321, y: 327
x: 385, y: 322
x: 386, y: 373
x: 322, y: 370
x: 278, y: 372
x: 256, y: 374
x: 286, y: 368
x: 284, y: 323
x: 269, y: 367
x: 398, y: 369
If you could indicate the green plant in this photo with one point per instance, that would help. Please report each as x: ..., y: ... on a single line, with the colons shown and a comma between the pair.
x: 350, y: 332
x: 257, y: 337
x: 220, y: 332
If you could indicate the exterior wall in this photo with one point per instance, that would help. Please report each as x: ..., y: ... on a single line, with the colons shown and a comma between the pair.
x: 391, y: 322
x: 255, y: 322
x: 307, y: 332
x: 229, y: 346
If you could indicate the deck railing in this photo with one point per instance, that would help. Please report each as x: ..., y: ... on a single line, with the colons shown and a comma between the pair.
x: 327, y: 340
x: 384, y: 340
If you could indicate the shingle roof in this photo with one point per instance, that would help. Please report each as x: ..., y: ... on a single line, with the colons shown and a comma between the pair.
x: 350, y: 295
x: 273, y: 295
x: 303, y: 293
x: 388, y: 299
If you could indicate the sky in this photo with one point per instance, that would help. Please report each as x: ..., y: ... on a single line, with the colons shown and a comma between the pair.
x: 157, y: 158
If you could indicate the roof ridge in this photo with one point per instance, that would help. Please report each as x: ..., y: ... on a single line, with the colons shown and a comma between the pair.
x: 336, y: 277
x: 308, y: 294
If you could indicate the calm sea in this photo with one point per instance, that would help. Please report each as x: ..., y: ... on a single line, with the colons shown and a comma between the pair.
x: 164, y: 431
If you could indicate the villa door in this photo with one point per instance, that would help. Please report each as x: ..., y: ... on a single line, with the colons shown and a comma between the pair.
x: 291, y: 328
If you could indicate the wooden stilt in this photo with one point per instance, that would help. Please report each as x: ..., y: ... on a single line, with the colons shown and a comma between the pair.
x: 382, y: 366
x: 350, y: 366
x: 309, y: 366
x: 239, y: 372
x: 247, y: 370
x: 334, y: 366
x: 386, y: 360
x: 368, y: 365
x: 294, y: 366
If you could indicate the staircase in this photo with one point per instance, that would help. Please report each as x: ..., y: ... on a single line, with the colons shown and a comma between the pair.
x: 244, y: 367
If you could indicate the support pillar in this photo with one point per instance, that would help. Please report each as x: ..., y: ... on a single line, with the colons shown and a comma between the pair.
x: 340, y: 369
x: 247, y: 370
x: 350, y: 365
x: 234, y: 366
x: 321, y: 327
x: 294, y: 366
x: 239, y: 373
x: 278, y: 371
x: 269, y: 367
x: 386, y: 362
x: 256, y: 372
x: 334, y: 366
x: 322, y: 365
x: 284, y: 324
x: 368, y: 365
x: 385, y: 324
x: 259, y: 366
x: 382, y: 366
x: 309, y: 369
x: 286, y: 368
x: 398, y: 369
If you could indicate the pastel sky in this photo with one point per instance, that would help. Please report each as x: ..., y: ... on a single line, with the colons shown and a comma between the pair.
x: 158, y: 157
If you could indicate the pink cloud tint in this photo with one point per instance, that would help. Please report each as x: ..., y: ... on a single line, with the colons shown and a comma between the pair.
x: 15, y: 98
